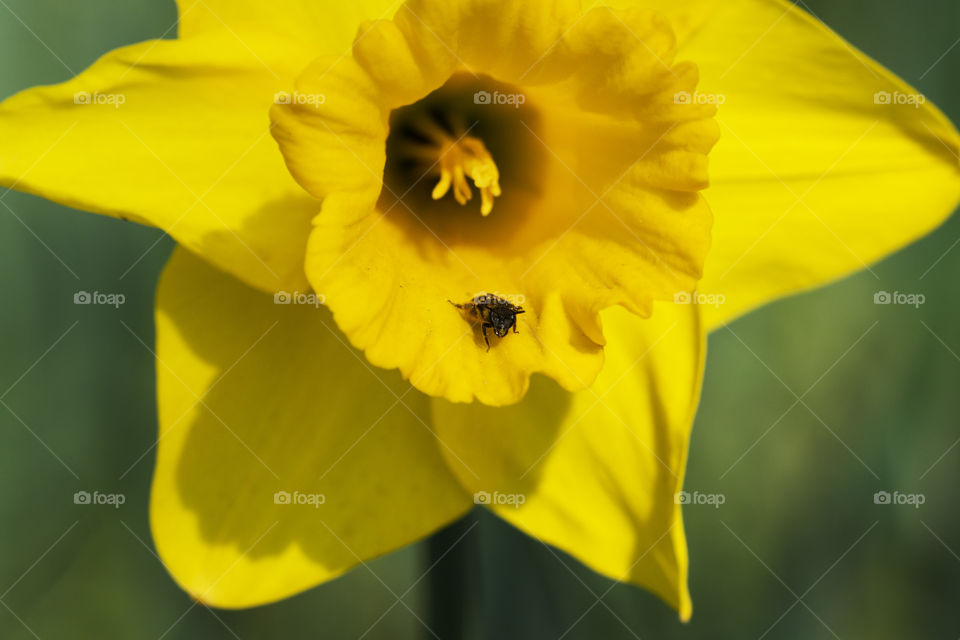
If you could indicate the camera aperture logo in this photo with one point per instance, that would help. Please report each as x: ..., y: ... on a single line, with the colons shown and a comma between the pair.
x: 514, y: 100
x: 713, y: 499
x: 912, y: 499
x: 97, y: 297
x: 296, y: 297
x: 910, y: 299
x: 299, y: 499
x: 96, y: 498
x: 497, y: 498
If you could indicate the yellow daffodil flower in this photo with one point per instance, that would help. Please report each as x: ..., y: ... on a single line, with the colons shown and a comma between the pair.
x: 338, y: 173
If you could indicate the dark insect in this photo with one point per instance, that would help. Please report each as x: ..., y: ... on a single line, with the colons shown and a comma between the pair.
x: 493, y: 312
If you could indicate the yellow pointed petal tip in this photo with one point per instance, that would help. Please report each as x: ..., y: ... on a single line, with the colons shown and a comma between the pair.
x: 624, y: 457
x: 809, y: 185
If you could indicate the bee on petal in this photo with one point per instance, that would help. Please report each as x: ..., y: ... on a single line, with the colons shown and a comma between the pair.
x: 493, y: 312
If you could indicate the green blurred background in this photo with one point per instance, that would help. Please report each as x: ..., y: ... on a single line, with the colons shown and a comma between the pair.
x: 799, y: 549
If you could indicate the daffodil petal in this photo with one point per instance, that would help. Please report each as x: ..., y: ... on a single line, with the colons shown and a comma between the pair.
x: 173, y: 134
x: 257, y: 398
x: 308, y: 26
x: 827, y: 161
x: 596, y: 473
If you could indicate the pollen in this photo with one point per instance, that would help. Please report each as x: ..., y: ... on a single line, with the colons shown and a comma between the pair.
x: 468, y: 157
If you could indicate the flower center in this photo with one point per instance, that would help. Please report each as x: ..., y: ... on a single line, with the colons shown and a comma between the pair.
x: 471, y: 134
x: 462, y: 158
x: 573, y: 116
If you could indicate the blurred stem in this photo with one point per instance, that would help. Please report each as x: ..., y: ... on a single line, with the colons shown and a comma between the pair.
x: 453, y: 563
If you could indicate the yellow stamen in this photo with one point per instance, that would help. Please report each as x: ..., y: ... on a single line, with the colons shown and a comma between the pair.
x: 468, y: 157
